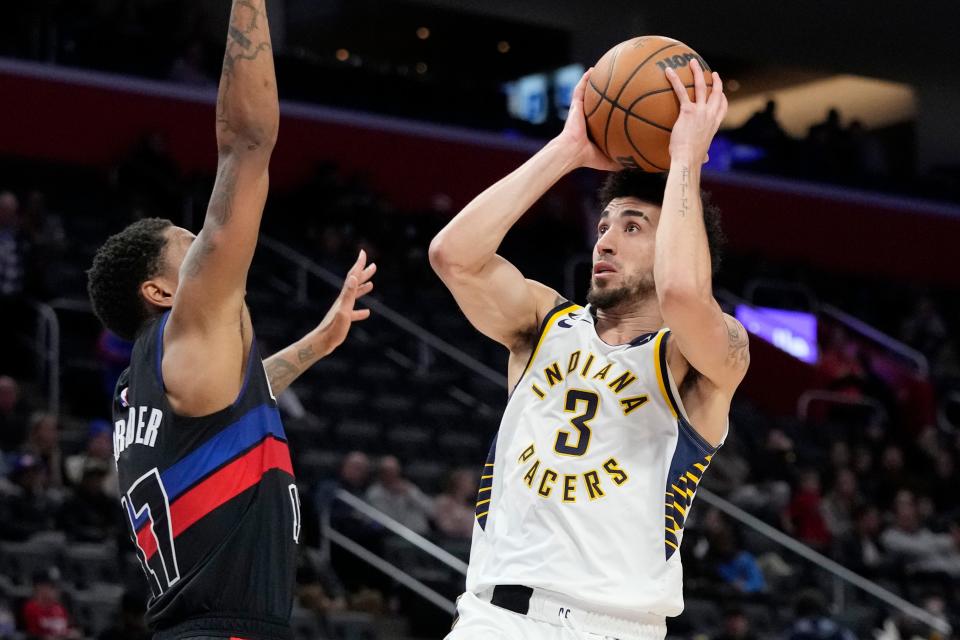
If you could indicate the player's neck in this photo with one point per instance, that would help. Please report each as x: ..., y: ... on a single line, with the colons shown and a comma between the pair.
x: 623, y: 323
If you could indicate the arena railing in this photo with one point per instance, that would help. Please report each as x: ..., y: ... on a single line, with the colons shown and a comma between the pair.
x: 305, y: 268
x: 814, y: 396
x: 913, y: 358
x: 331, y: 535
x: 47, y: 347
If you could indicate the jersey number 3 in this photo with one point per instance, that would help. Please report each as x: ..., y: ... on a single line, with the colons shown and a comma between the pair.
x: 580, y: 422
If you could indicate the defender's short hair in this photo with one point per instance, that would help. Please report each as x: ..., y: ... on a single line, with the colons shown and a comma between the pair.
x: 649, y: 187
x: 124, y: 262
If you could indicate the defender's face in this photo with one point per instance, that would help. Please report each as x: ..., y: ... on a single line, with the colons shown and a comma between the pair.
x: 623, y: 254
x: 175, y: 251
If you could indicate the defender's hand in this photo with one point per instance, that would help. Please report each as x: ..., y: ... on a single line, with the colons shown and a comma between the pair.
x: 574, y: 135
x: 332, y: 331
x: 699, y: 120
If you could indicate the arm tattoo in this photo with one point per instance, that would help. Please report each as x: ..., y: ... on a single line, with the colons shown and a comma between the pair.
x: 684, y: 187
x: 305, y: 355
x: 246, y: 40
x: 738, y: 344
x: 218, y: 213
x: 280, y: 372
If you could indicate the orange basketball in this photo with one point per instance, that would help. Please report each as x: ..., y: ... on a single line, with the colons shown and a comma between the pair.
x: 630, y: 105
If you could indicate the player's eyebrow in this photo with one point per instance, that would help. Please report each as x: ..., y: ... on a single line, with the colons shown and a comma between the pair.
x: 634, y: 213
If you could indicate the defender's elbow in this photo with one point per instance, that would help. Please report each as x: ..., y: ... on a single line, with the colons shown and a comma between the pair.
x: 440, y: 255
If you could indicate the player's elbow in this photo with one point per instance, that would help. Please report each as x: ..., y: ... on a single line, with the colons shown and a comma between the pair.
x: 442, y: 256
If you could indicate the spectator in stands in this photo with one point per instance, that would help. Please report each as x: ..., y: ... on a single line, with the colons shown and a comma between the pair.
x: 812, y: 622
x: 12, y: 247
x: 454, y: 509
x: 90, y: 515
x: 737, y: 567
x: 861, y: 549
x: 44, y: 443
x: 840, y: 504
x: 736, y: 626
x: 44, y: 615
x: 762, y: 127
x: 13, y: 416
x: 8, y: 621
x: 893, y: 477
x: 30, y: 508
x: 355, y: 473
x: 318, y: 587
x: 804, y: 516
x: 399, y: 498
x: 130, y: 624
x: 99, y: 449
x: 917, y: 548
x: 773, y: 468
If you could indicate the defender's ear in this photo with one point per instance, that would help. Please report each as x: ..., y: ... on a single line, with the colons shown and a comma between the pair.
x: 158, y: 292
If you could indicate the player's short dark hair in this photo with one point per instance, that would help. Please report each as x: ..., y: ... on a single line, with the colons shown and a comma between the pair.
x: 124, y: 262
x: 649, y: 187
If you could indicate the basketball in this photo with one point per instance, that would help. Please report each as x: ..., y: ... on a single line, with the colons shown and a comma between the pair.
x: 630, y: 105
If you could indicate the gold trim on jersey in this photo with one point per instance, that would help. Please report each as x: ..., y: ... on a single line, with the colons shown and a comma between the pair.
x: 547, y: 323
x: 662, y: 378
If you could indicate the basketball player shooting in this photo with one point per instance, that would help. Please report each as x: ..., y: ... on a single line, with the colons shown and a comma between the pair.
x: 204, y: 469
x: 616, y: 409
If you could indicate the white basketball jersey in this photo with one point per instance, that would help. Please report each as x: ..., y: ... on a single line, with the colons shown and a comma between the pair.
x: 591, y: 474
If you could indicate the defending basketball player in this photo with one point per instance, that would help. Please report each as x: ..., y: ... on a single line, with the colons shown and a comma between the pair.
x: 204, y: 469
x: 616, y: 408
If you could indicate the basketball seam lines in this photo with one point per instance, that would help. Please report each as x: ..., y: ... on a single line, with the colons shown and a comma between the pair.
x: 613, y: 64
x: 606, y: 128
x: 638, y: 117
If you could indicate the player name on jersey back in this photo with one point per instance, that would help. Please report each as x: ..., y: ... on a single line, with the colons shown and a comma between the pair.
x: 139, y: 427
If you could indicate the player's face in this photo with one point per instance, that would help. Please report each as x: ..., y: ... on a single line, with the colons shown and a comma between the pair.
x: 178, y: 242
x: 623, y: 254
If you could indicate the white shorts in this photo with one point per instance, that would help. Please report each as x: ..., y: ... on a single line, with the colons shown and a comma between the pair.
x: 547, y: 619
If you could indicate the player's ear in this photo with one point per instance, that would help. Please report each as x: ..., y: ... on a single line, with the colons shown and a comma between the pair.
x: 158, y: 292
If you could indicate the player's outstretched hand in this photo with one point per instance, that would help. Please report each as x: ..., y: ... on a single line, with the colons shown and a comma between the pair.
x: 699, y: 119
x: 575, y: 135
x: 333, y: 330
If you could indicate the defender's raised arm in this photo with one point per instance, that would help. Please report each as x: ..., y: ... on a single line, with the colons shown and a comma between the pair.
x: 209, y: 333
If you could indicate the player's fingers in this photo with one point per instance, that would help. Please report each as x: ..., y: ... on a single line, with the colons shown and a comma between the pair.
x: 350, y: 286
x: 359, y: 264
x: 716, y: 91
x: 699, y: 82
x: 364, y: 289
x: 359, y: 314
x: 678, y: 87
x: 368, y: 272
x: 581, y: 88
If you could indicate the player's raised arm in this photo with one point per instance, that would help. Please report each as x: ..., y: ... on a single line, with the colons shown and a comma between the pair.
x: 214, y: 273
x: 492, y: 293
x: 711, y: 342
